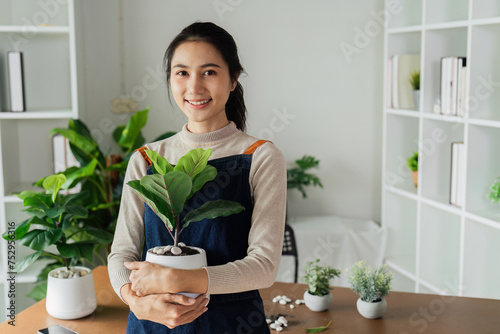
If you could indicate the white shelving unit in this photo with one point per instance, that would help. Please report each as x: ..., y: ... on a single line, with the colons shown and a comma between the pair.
x: 45, y: 33
x: 434, y: 247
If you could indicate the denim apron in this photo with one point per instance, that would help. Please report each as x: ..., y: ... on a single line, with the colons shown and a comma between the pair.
x: 225, y: 239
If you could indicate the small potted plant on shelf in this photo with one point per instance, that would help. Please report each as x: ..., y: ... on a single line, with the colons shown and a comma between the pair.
x: 372, y: 287
x: 412, y: 163
x: 56, y: 230
x: 415, y: 84
x: 494, y: 194
x: 317, y: 297
x: 167, y: 192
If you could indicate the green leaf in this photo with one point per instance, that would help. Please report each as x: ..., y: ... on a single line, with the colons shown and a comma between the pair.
x: 155, y: 202
x: 121, y: 166
x: 160, y: 164
x: 38, y: 292
x: 21, y: 229
x: 173, y: 188
x: 77, y: 250
x: 84, y: 157
x: 318, y: 329
x: 193, y: 162
x: 117, y: 133
x: 207, y: 174
x: 104, y: 206
x: 74, y: 174
x: 99, y: 234
x: 87, y: 145
x: 27, y: 261
x: 133, y: 129
x: 53, y: 183
x: 38, y: 201
x: 40, y: 239
x: 28, y: 193
x: 211, y: 210
x: 77, y: 211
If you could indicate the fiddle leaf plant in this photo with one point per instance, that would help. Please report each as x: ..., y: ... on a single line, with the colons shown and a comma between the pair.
x: 298, y: 176
x: 168, y: 189
x: 52, y: 229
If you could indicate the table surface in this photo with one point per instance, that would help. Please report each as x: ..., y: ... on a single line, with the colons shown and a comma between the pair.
x: 406, y: 313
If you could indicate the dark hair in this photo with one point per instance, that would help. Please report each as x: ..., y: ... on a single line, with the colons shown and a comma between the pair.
x: 224, y: 43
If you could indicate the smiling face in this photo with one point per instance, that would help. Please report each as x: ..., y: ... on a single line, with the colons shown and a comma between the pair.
x: 201, y: 84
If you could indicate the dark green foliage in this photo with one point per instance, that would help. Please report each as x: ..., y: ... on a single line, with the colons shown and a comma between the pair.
x: 298, y: 177
x: 412, y: 162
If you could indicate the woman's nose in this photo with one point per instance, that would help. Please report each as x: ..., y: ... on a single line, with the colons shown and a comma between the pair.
x: 195, y: 85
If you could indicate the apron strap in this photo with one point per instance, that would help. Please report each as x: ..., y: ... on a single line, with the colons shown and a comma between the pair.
x: 254, y: 146
x: 144, y: 155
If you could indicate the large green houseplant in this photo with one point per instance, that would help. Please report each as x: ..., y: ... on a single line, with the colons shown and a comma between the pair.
x: 299, y: 177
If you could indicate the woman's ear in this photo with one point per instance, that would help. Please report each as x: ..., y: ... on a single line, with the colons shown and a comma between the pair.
x: 235, y: 81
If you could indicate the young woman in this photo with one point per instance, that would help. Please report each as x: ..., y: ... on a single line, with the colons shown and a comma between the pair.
x: 243, y: 250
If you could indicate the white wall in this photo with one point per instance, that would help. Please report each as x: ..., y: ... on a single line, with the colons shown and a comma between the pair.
x: 294, y: 63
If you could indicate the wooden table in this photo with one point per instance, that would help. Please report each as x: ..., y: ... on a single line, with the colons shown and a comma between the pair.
x: 406, y: 313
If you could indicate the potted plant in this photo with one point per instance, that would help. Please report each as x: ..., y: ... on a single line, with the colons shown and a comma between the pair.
x: 56, y: 221
x: 372, y: 287
x: 412, y: 163
x: 415, y: 84
x: 167, y: 192
x: 494, y: 194
x: 298, y: 176
x: 317, y: 296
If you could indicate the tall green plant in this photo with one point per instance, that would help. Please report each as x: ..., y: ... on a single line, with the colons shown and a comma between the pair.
x: 169, y: 188
x: 299, y: 178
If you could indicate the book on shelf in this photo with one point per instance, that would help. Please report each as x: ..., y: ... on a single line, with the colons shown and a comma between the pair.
x: 16, y: 81
x: 453, y: 86
x: 457, y: 179
x: 401, y: 91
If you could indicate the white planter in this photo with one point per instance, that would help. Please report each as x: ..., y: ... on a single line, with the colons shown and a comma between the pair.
x: 416, y: 99
x: 371, y: 310
x: 317, y: 303
x: 71, y: 298
x: 195, y: 261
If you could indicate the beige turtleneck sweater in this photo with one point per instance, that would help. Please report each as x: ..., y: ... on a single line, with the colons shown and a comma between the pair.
x: 268, y: 183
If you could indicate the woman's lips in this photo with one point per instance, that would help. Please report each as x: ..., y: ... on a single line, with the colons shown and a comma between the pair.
x: 197, y: 104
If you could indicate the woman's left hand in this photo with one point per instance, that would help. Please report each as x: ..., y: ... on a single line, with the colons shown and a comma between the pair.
x: 147, y: 278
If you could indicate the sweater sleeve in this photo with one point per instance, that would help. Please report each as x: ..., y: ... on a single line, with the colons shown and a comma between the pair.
x: 259, y: 268
x: 129, y: 233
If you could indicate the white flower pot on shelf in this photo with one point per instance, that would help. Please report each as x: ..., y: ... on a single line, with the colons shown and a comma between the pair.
x: 317, y: 303
x: 371, y: 310
x: 416, y: 99
x: 194, y: 261
x: 71, y: 298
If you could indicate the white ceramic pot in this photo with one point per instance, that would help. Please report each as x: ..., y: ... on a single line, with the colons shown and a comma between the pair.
x: 416, y: 99
x: 317, y: 303
x: 371, y: 310
x: 71, y: 298
x: 195, y: 261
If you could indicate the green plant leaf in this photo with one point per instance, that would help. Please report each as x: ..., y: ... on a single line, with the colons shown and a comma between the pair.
x: 38, y: 201
x: 155, y: 202
x: 27, y: 261
x: 28, y: 193
x: 160, y: 164
x: 84, y: 157
x: 38, y: 292
x: 207, y: 174
x: 79, y: 249
x: 40, y: 239
x: 193, y: 162
x: 74, y: 174
x: 174, y: 188
x: 88, y: 147
x: 77, y: 211
x: 133, y: 129
x: 53, y: 183
x: 211, y: 210
x: 22, y: 228
x: 121, y: 166
x: 318, y: 329
x: 99, y: 234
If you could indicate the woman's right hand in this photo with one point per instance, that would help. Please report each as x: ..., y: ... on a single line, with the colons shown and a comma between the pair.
x: 171, y: 310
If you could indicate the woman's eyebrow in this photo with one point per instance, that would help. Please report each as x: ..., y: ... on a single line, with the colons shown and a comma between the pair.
x: 202, y: 66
